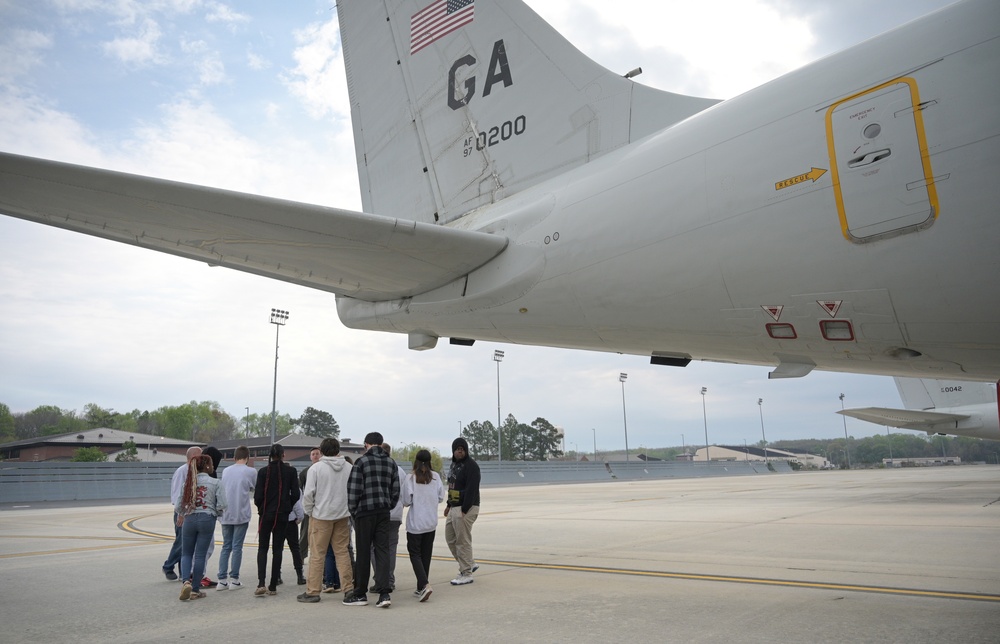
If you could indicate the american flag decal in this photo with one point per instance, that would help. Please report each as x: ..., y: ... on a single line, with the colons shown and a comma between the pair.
x: 438, y: 19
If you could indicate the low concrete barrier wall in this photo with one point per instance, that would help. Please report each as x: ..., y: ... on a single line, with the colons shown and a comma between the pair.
x: 34, y: 482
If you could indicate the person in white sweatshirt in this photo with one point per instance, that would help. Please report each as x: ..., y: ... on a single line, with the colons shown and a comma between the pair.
x: 422, y: 492
x: 325, y: 501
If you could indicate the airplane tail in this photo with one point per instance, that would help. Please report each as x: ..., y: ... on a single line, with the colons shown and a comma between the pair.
x: 926, y: 394
x: 460, y: 103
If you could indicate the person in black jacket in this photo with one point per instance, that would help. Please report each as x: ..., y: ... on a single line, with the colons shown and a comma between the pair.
x: 276, y: 492
x: 462, y: 510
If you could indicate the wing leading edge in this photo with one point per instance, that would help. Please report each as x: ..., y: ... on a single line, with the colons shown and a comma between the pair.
x: 363, y: 256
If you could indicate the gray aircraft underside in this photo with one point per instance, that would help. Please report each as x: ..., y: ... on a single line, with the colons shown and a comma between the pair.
x: 842, y: 217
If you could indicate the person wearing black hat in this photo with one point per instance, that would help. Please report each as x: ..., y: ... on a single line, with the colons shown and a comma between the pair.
x: 462, y: 509
x: 372, y: 492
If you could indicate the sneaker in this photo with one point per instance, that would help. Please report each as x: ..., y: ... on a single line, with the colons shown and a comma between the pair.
x: 424, y: 593
x: 280, y: 581
x: 260, y: 592
x: 355, y: 600
x: 330, y: 588
x: 185, y: 591
x: 301, y: 580
x: 208, y: 583
x: 272, y: 591
x: 170, y: 574
x: 198, y: 595
x: 475, y: 567
x: 306, y: 598
x: 384, y: 601
x: 462, y: 579
x: 223, y: 585
x: 235, y: 584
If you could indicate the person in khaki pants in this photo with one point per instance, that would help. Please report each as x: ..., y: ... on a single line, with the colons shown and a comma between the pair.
x: 462, y: 510
x: 325, y: 501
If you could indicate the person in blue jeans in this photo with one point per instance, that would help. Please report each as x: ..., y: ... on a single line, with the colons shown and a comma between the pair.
x: 176, y: 489
x: 331, y: 576
x: 238, y: 482
x: 199, y: 506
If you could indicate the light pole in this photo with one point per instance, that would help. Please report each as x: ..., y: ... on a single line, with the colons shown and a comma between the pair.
x: 704, y: 415
x: 278, y: 319
x: 684, y: 448
x: 760, y: 408
x: 497, y: 357
x: 622, y: 377
x: 595, y: 443
x: 888, y: 438
x: 847, y: 451
x: 246, y: 422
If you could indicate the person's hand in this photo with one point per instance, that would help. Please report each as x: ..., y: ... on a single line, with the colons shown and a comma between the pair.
x: 446, y: 508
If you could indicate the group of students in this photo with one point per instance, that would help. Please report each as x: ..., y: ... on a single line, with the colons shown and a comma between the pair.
x: 330, y: 498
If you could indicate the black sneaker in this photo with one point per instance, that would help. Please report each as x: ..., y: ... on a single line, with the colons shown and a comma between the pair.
x: 170, y: 574
x: 384, y: 601
x: 356, y: 600
x: 302, y: 580
x: 306, y: 598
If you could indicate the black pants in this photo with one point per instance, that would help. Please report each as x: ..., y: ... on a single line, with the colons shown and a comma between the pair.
x: 372, y: 530
x: 272, y: 530
x: 292, y: 538
x: 421, y: 549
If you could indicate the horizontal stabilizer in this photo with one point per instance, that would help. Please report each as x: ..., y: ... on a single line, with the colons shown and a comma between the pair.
x: 905, y: 418
x: 363, y: 256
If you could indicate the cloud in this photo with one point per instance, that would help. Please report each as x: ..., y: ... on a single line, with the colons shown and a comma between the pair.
x: 218, y: 12
x: 318, y: 77
x: 138, y: 50
x: 211, y: 69
x: 21, y: 51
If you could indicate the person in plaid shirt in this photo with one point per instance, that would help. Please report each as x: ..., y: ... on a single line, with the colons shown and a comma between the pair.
x: 372, y: 492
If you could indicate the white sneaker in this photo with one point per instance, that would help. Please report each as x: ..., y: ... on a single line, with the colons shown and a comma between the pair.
x: 223, y: 585
x: 462, y: 579
x: 235, y: 584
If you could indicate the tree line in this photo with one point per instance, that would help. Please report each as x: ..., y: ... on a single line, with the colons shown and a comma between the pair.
x: 516, y: 441
x: 863, y: 451
x: 202, y: 422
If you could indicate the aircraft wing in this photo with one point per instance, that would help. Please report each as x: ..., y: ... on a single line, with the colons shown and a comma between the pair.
x: 904, y: 418
x: 368, y: 257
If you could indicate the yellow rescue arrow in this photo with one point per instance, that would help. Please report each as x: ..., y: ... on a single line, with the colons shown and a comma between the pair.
x: 813, y: 174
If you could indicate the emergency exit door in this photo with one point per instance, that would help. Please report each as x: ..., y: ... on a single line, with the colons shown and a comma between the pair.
x: 881, y: 170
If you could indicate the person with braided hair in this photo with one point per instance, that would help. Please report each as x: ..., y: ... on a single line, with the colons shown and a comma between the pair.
x: 201, y: 502
x: 276, y: 493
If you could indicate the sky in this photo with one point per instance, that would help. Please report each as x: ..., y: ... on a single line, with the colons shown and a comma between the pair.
x: 251, y: 96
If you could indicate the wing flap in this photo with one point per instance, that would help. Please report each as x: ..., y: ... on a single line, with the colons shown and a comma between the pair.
x: 364, y: 256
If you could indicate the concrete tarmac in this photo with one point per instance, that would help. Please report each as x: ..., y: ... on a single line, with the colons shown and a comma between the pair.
x: 857, y: 556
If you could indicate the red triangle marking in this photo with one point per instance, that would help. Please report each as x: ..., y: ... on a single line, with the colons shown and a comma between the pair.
x: 830, y: 306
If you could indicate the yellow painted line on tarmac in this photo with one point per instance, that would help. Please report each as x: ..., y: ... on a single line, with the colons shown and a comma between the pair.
x: 911, y: 592
x: 72, y: 550
x: 128, y: 526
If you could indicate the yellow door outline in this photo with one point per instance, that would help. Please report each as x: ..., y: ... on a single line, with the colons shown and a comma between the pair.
x: 925, y: 158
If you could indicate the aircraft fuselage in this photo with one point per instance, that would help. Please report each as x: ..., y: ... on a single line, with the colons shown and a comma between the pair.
x: 842, y: 217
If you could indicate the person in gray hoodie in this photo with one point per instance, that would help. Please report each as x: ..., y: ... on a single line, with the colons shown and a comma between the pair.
x: 325, y: 501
